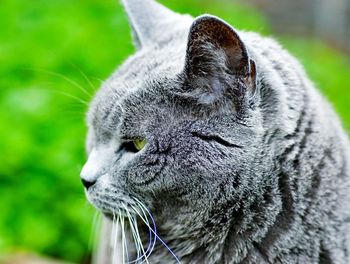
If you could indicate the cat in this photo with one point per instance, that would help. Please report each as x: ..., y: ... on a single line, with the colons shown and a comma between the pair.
x: 211, y: 145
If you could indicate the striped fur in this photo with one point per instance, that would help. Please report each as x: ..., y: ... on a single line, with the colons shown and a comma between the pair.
x: 267, y: 182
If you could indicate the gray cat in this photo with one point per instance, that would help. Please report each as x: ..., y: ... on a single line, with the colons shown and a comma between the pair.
x: 210, y: 145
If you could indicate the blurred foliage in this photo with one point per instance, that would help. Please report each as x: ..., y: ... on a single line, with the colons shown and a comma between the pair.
x: 53, y: 56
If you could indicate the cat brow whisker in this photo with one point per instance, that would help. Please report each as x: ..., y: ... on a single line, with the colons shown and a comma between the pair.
x: 55, y: 91
x: 74, y: 83
x: 77, y: 99
x: 74, y: 97
x: 87, y: 79
x: 97, y: 79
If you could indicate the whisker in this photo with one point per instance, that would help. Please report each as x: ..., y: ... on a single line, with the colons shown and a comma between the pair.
x: 155, y: 232
x: 98, y: 79
x: 87, y: 79
x: 113, y: 236
x: 96, y: 224
x: 152, y: 241
x: 145, y: 254
x: 137, y: 246
x: 124, y: 242
x: 73, y: 97
x: 149, y: 249
x: 55, y: 91
x: 74, y: 83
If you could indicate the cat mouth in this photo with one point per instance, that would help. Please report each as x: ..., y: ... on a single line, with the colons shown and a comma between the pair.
x: 109, y: 215
x: 118, y: 208
x: 120, y: 213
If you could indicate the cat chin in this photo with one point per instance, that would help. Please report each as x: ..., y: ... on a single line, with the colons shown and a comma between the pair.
x: 110, y: 212
x: 108, y: 215
x: 113, y: 216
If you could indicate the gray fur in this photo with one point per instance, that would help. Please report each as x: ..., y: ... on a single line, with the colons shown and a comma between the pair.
x: 149, y: 20
x: 233, y: 173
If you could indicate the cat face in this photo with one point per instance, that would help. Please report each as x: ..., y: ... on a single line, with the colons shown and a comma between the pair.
x: 176, y: 126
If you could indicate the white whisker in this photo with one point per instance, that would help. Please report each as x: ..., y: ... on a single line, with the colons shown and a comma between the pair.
x: 155, y: 231
x: 73, y: 97
x: 96, y: 223
x: 150, y: 247
x: 74, y: 83
x: 139, y: 242
x: 115, y: 235
x: 87, y: 79
x: 124, y: 242
x: 134, y: 234
x: 152, y: 238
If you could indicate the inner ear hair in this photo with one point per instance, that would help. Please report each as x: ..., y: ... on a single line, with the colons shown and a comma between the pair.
x: 250, y: 78
x: 216, y: 51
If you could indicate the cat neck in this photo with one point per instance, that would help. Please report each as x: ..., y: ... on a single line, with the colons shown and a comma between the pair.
x: 214, y: 242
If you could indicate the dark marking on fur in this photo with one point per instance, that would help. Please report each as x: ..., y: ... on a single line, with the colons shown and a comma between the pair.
x: 215, y: 138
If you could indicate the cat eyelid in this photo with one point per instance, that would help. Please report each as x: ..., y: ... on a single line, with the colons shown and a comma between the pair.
x: 216, y: 139
x: 127, y: 139
x: 131, y: 138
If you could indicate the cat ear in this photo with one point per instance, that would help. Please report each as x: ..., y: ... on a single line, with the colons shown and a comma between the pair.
x: 216, y: 55
x: 150, y: 21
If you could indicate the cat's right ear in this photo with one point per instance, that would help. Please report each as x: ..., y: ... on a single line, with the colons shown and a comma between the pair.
x: 217, y: 63
x: 150, y: 21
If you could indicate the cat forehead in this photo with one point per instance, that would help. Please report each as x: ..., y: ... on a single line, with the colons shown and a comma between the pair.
x: 139, y: 82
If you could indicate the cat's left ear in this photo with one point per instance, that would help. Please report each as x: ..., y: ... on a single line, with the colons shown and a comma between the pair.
x: 151, y: 22
x: 216, y: 56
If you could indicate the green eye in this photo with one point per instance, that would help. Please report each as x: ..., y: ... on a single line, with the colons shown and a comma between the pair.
x: 139, y: 144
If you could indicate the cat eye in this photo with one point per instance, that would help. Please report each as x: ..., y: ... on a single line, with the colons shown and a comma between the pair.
x: 139, y: 143
x: 135, y: 145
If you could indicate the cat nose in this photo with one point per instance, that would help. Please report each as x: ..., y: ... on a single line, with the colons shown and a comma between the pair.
x: 87, y: 184
x: 95, y: 166
x: 90, y: 171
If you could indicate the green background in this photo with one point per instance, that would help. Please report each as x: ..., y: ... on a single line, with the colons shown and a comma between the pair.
x: 53, y: 57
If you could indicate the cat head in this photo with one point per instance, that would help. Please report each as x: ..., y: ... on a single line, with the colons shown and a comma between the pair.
x: 177, y: 125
